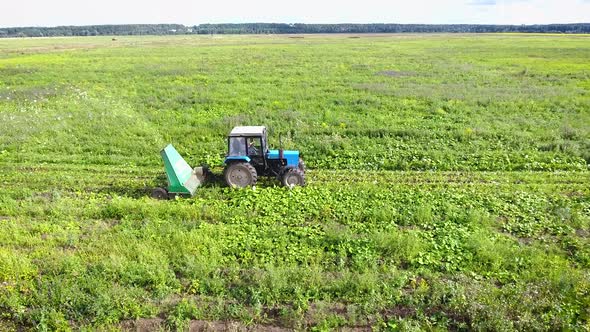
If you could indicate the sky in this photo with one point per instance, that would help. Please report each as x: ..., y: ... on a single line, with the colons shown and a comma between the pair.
x: 191, y: 12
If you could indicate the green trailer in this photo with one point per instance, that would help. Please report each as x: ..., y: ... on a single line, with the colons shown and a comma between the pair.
x: 182, y: 179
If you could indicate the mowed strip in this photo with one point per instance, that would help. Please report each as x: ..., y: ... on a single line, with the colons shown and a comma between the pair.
x: 83, y: 177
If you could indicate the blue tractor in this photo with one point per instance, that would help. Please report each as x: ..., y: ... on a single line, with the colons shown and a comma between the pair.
x: 249, y: 157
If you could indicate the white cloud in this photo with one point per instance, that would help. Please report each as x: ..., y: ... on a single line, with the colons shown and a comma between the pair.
x: 483, y: 2
x: 79, y: 12
x: 535, y: 12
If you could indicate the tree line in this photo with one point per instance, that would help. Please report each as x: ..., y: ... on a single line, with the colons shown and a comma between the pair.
x: 283, y: 28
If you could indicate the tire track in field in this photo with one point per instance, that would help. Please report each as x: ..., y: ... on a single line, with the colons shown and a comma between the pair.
x: 137, y: 180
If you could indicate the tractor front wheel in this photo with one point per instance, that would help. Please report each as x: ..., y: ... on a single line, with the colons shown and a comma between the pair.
x: 240, y: 175
x: 301, y: 165
x: 293, y: 177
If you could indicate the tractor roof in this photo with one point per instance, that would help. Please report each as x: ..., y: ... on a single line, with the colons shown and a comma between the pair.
x: 247, y: 131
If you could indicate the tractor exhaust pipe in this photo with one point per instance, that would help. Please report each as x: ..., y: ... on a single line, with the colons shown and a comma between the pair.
x: 281, y: 154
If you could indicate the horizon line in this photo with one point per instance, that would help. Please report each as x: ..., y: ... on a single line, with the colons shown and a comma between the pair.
x: 290, y: 23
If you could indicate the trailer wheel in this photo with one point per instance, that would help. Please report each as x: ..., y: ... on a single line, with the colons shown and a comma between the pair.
x: 293, y: 177
x: 160, y: 193
x: 240, y: 175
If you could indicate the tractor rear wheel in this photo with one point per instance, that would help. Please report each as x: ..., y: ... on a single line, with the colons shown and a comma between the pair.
x: 293, y: 177
x: 240, y: 175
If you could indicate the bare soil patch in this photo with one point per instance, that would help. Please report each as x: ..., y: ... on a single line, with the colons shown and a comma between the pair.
x: 395, y: 73
x: 159, y: 324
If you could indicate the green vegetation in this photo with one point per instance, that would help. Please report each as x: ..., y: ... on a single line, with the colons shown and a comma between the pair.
x: 448, y: 186
x: 284, y: 28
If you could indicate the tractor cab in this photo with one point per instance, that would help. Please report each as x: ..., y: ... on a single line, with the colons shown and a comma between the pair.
x: 248, y: 141
x: 249, y: 156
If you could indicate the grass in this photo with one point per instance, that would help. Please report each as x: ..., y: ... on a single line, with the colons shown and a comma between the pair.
x: 448, y: 186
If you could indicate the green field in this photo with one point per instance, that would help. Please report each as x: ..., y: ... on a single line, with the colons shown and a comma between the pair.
x: 448, y: 183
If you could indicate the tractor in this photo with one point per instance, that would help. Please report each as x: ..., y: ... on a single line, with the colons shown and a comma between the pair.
x: 249, y: 157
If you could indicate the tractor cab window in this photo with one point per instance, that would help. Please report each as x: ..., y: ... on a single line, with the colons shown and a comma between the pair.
x: 254, y: 147
x: 237, y: 146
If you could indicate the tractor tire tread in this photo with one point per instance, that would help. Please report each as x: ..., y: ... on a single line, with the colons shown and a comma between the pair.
x: 301, y: 165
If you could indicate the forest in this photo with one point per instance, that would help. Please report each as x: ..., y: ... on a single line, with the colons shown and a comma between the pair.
x: 283, y: 28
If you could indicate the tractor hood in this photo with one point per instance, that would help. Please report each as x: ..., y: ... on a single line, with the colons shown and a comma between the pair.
x: 292, y: 156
